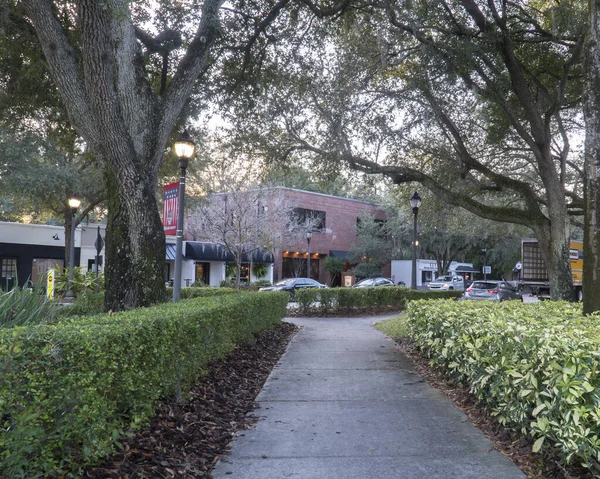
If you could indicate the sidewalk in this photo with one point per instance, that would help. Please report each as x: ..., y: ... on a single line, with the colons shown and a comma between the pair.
x: 344, y: 403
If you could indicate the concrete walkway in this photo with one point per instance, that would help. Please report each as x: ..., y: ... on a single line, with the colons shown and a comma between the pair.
x: 344, y: 403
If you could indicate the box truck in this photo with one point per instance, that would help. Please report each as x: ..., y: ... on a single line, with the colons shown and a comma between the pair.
x: 533, y: 275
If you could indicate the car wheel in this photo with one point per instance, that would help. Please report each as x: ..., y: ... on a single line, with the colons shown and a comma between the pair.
x: 450, y: 288
x: 580, y: 295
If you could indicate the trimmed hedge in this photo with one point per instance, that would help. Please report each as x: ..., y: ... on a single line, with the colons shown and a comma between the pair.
x: 327, y: 300
x: 536, y: 366
x: 188, y: 293
x: 69, y: 391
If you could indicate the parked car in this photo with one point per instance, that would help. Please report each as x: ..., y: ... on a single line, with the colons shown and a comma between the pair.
x: 447, y: 282
x: 370, y: 282
x: 492, y: 291
x: 292, y: 284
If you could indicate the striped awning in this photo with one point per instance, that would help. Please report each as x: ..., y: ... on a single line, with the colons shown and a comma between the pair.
x: 171, y: 252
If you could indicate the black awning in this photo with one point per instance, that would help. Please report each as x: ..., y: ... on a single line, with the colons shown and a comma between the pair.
x: 171, y: 252
x: 465, y: 268
x: 259, y: 256
x: 339, y: 254
x: 201, y: 251
x: 206, y: 252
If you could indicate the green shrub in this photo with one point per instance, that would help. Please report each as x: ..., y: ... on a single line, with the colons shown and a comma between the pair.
x: 327, y: 300
x: 230, y: 270
x: 261, y: 283
x: 305, y: 298
x: 536, y: 366
x: 20, y: 307
x: 188, y: 293
x: 69, y: 391
x: 82, y: 280
x: 259, y: 270
x: 87, y: 303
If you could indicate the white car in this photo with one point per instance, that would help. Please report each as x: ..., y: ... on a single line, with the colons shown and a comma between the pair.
x: 446, y: 283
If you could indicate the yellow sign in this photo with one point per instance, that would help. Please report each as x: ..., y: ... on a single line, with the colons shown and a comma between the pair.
x: 576, y: 256
x: 50, y: 284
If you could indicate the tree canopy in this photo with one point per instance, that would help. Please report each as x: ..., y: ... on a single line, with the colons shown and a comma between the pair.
x: 480, y: 104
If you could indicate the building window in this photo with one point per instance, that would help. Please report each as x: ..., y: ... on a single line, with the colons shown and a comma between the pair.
x: 40, y: 267
x: 9, y: 268
x: 314, y: 218
x: 203, y: 273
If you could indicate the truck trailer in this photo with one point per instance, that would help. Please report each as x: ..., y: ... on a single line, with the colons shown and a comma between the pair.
x: 534, y: 275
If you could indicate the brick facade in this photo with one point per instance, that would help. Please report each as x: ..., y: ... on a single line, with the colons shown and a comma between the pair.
x: 339, y: 234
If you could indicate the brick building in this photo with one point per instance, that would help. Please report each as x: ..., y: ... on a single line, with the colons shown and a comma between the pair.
x: 334, y: 237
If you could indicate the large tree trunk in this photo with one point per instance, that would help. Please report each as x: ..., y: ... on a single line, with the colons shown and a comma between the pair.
x: 553, y: 239
x: 110, y: 101
x: 135, y: 247
x: 591, y: 246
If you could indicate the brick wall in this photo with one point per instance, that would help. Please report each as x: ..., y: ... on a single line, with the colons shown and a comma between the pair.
x: 340, y: 226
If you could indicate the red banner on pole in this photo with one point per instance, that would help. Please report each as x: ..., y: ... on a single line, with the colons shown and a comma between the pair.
x: 171, y: 196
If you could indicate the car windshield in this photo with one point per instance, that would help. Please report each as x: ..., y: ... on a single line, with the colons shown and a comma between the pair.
x: 444, y: 278
x: 285, y: 282
x: 483, y: 285
x: 366, y: 282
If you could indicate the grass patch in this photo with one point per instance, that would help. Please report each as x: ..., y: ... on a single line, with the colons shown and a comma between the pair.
x: 395, y: 328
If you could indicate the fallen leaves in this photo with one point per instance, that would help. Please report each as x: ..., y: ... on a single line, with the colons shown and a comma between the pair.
x: 186, y: 440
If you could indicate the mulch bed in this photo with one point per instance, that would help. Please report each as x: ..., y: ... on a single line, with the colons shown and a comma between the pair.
x: 511, y: 444
x: 185, y: 440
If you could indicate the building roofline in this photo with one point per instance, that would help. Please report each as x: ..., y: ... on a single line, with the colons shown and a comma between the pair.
x: 62, y: 227
x: 310, y: 193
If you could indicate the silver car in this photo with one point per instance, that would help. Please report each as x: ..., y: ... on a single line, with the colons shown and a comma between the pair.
x: 446, y: 283
x: 371, y: 282
x: 492, y: 291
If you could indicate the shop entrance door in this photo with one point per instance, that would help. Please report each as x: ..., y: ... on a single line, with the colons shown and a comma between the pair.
x: 203, y: 273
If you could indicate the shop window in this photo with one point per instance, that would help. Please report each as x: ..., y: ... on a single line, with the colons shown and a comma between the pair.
x: 9, y: 268
x: 8, y: 273
x: 314, y: 218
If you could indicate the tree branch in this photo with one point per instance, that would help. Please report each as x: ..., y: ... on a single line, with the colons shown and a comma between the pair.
x: 62, y: 64
x: 188, y: 71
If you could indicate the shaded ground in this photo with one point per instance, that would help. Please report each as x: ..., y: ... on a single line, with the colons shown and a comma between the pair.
x: 513, y: 445
x: 185, y: 440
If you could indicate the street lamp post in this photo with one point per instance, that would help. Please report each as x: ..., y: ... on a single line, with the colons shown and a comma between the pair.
x: 415, y: 203
x: 484, y: 252
x: 308, y: 237
x: 184, y: 149
x: 74, y: 204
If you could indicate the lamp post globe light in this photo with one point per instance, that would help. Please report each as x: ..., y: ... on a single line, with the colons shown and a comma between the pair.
x: 74, y: 204
x: 415, y: 204
x: 184, y: 149
x: 308, y: 238
x: 484, y: 252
